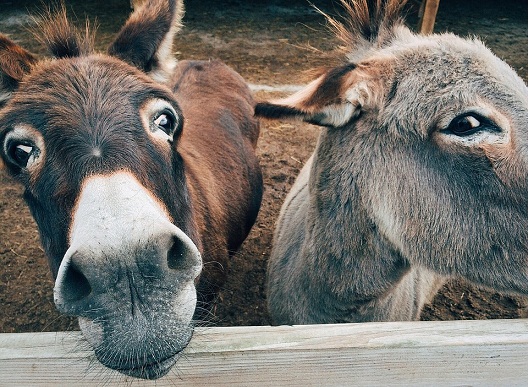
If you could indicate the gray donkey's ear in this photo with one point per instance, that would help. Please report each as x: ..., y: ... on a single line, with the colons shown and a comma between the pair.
x: 334, y: 99
x: 146, y: 39
x: 15, y: 62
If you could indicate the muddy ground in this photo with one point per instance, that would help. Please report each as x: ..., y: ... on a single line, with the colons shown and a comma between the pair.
x: 269, y: 43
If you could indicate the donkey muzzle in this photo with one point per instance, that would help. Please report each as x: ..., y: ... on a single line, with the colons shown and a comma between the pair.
x: 129, y: 274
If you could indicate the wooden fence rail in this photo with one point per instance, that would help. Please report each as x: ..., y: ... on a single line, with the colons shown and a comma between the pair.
x: 449, y: 353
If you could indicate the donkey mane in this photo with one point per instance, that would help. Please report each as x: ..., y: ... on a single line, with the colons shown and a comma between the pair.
x: 366, y: 24
x: 142, y: 42
x: 63, y: 39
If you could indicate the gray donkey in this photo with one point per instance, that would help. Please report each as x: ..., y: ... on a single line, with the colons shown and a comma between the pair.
x: 419, y: 175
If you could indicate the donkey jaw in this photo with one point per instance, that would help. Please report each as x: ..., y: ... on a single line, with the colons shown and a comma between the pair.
x: 146, y: 343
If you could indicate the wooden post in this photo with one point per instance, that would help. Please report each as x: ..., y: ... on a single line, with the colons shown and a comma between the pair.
x: 135, y: 3
x: 427, y: 16
x: 477, y: 353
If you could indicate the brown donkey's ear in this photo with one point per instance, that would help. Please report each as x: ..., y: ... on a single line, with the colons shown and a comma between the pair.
x: 15, y: 62
x: 146, y: 39
x: 332, y: 100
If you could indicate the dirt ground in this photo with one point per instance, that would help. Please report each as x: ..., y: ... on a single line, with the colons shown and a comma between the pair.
x: 269, y: 43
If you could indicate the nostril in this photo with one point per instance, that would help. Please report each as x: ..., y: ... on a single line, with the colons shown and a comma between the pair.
x: 75, y: 286
x: 177, y: 256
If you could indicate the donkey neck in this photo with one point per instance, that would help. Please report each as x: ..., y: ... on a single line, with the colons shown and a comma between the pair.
x: 353, y: 260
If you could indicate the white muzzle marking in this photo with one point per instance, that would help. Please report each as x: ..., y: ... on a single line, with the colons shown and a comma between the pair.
x: 113, y: 213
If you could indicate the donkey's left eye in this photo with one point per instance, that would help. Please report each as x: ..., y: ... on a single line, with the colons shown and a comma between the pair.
x: 468, y: 124
x: 166, y: 121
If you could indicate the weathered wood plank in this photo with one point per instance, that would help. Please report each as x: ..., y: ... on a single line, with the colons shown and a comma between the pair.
x: 484, y: 353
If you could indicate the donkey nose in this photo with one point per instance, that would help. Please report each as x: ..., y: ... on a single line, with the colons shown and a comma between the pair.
x: 90, y: 274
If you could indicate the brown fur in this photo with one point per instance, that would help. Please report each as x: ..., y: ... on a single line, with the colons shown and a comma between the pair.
x: 218, y: 207
x: 15, y: 62
x: 78, y: 129
x: 55, y: 31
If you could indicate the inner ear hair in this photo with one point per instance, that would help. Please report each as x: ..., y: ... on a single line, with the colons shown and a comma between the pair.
x: 273, y: 111
x: 329, y: 87
x: 14, y: 60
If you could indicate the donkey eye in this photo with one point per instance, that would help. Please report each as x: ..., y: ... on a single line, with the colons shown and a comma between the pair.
x: 161, y: 119
x: 468, y: 124
x: 166, y: 121
x: 21, y: 153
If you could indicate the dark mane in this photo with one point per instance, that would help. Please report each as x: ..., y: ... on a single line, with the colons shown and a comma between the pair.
x: 366, y: 22
x: 60, y: 36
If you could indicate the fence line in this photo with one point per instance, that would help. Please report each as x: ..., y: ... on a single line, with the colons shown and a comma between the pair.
x: 480, y: 353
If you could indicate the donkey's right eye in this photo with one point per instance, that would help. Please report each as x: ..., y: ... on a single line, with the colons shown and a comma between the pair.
x: 21, y: 153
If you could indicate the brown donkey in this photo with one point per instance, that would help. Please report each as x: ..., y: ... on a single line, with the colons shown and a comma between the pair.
x: 140, y: 174
x: 419, y: 174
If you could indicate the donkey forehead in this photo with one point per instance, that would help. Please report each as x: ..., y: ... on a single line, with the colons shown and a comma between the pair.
x: 89, y: 114
x: 456, y: 61
x: 86, y: 96
x: 87, y: 83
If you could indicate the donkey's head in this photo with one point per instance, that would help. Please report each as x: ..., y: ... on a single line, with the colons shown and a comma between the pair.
x: 94, y: 139
x: 426, y: 136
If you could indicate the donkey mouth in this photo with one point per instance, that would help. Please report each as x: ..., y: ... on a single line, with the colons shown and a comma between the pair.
x: 146, y: 366
x: 150, y: 371
x: 146, y: 360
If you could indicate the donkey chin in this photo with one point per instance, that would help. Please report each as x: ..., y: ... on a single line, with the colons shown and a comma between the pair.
x: 146, y: 342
